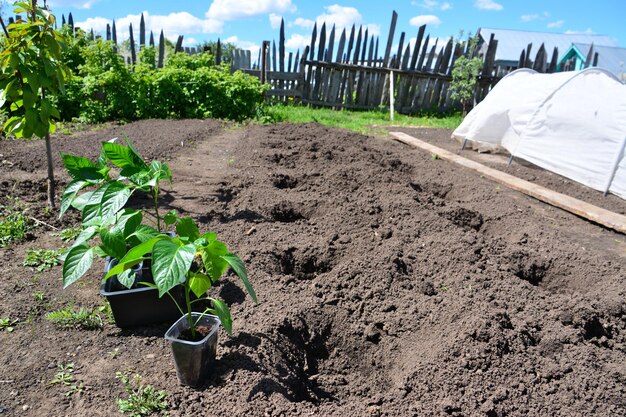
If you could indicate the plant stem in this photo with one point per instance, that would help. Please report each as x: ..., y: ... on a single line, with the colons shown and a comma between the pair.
x: 192, y: 326
x: 155, y: 198
x: 50, y: 172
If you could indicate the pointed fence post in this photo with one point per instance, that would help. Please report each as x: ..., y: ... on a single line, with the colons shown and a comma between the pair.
x: 142, y: 32
x: 133, y: 55
x: 161, y: 50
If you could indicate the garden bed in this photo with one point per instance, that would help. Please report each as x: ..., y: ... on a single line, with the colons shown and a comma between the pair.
x: 390, y: 283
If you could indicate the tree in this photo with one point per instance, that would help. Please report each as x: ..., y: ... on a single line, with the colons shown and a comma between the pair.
x: 464, y: 72
x: 33, y: 71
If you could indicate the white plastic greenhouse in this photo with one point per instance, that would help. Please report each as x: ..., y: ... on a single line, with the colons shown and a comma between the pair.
x: 571, y: 123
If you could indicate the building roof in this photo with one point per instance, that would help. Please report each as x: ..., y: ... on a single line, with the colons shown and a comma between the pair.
x: 512, y: 42
x: 611, y: 58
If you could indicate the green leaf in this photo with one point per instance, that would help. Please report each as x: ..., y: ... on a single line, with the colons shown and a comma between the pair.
x: 123, y: 156
x: 199, y: 283
x: 77, y: 263
x: 222, y: 311
x: 81, y: 168
x: 186, y: 227
x: 240, y: 269
x: 170, y: 217
x: 69, y: 194
x: 81, y: 201
x: 105, y: 202
x: 170, y: 263
x: 113, y: 243
x: 127, y: 222
x: 143, y: 233
x: 212, y: 258
x: 133, y: 256
x: 127, y: 278
x: 86, y: 235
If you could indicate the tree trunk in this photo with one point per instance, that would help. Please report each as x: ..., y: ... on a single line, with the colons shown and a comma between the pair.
x: 51, y: 192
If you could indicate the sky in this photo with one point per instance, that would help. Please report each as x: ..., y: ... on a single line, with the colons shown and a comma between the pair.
x: 247, y: 23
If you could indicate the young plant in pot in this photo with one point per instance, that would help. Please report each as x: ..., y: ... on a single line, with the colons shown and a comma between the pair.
x: 119, y: 229
x: 197, y: 262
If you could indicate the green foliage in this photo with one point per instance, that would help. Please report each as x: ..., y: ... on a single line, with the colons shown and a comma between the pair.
x: 14, y: 224
x: 65, y: 377
x: 189, y: 86
x: 32, y: 68
x: 464, y: 73
x: 143, y: 400
x: 103, y: 216
x: 72, y: 318
x: 70, y: 233
x: 366, y: 122
x: 199, y: 260
x: 7, y: 324
x: 42, y: 259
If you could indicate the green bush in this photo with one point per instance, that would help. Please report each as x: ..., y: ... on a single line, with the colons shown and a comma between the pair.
x: 189, y: 86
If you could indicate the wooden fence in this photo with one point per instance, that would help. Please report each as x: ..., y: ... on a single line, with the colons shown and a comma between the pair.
x: 356, y: 75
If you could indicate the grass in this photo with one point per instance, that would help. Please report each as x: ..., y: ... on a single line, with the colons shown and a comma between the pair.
x: 143, y: 400
x: 6, y: 324
x: 358, y: 121
x: 65, y: 377
x: 42, y: 259
x: 14, y: 224
x: 69, y: 234
x: 72, y: 318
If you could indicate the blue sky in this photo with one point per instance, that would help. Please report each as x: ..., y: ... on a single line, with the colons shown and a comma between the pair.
x: 248, y: 22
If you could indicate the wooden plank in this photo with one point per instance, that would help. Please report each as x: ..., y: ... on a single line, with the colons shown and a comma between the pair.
x: 364, y: 53
x: 302, y: 84
x: 528, y: 63
x: 274, y: 68
x: 379, y: 70
x: 328, y: 73
x: 281, y: 92
x: 357, y: 48
x: 554, y: 61
x: 416, y: 47
x: 336, y: 82
x: 318, y: 70
x: 350, y: 45
x: 580, y: 208
x: 276, y: 75
x: 420, y: 63
x: 541, y: 59
x: 392, y: 29
x: 399, y: 53
x: 443, y: 69
x: 281, y: 46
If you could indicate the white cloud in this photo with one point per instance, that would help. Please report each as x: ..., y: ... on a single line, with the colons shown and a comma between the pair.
x: 236, y: 9
x: 529, y: 17
x: 275, y: 20
x: 78, y: 4
x: 488, y: 5
x: 535, y: 16
x: 343, y: 18
x: 432, y: 4
x: 587, y: 31
x: 555, y: 25
x: 189, y: 42
x: 251, y: 46
x: 173, y: 24
x: 425, y: 19
x: 303, y: 23
x: 297, y: 41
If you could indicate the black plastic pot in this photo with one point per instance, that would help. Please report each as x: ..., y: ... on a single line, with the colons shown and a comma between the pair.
x: 194, y: 360
x: 140, y: 305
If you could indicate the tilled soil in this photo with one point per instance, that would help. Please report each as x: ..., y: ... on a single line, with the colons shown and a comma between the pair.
x: 390, y: 283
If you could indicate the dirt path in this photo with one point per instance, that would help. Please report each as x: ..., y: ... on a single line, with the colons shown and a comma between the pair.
x: 390, y: 283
